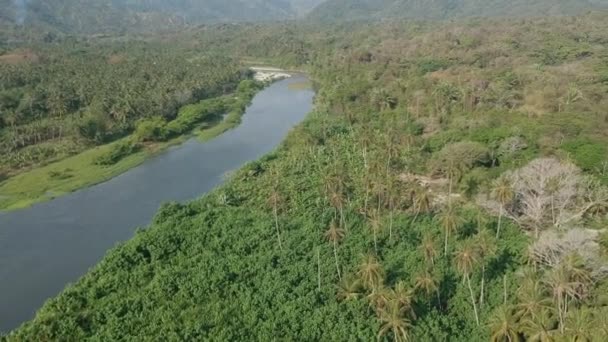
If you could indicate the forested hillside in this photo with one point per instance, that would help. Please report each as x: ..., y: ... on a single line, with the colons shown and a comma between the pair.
x: 443, y: 9
x: 57, y: 100
x: 94, y: 16
x: 451, y: 185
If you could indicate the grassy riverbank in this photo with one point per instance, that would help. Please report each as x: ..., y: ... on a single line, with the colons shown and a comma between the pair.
x: 84, y: 169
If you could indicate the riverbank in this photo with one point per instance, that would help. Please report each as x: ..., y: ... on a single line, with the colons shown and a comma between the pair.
x: 83, y: 170
x: 54, y: 243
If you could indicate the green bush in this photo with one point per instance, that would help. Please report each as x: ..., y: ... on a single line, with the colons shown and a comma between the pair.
x: 587, y: 154
x: 152, y: 129
x: 119, y: 151
x: 461, y: 156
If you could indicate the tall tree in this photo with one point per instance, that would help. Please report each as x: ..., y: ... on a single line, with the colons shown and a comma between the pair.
x: 540, y: 327
x: 427, y: 283
x: 428, y: 248
x: 335, y: 234
x: 450, y: 221
x: 393, y: 321
x: 371, y: 272
x: 465, y: 260
x: 502, y: 325
x: 502, y: 191
x: 486, y: 247
x: 275, y: 200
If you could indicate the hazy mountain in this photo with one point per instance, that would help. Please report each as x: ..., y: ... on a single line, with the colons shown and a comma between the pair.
x: 89, y: 16
x: 442, y: 9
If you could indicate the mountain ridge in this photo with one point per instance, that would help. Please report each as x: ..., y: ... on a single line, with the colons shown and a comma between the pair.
x: 449, y: 9
x: 94, y: 16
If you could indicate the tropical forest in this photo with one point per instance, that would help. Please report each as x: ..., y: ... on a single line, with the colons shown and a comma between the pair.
x: 447, y: 180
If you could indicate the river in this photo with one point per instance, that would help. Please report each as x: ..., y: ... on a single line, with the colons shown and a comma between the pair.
x: 47, y: 246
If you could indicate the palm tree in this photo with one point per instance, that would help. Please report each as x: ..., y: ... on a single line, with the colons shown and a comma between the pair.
x: 531, y: 300
x: 422, y: 201
x: 375, y: 225
x: 579, y: 325
x: 335, y: 234
x: 486, y: 247
x: 601, y: 323
x: 502, y: 325
x: 428, y: 248
x: 404, y: 297
x: 465, y: 259
x: 562, y: 290
x: 371, y: 272
x: 503, y: 192
x: 450, y: 221
x: 540, y: 328
x: 349, y: 289
x: 426, y: 282
x: 275, y: 199
x: 575, y: 266
x: 379, y: 298
x: 393, y: 321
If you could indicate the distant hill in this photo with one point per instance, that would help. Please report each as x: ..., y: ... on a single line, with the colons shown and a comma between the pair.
x: 445, y: 9
x: 94, y: 16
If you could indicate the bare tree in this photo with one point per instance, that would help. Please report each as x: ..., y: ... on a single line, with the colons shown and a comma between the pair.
x: 548, y: 193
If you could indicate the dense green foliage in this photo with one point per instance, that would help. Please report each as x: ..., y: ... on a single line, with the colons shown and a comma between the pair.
x: 95, y: 16
x: 58, y: 99
x: 400, y: 209
x: 443, y: 9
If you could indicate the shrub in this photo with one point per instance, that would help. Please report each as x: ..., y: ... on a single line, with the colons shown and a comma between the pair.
x: 462, y: 155
x: 119, y: 151
x: 586, y: 154
x: 152, y: 129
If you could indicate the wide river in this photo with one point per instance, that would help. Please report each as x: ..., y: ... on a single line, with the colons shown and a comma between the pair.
x: 47, y: 246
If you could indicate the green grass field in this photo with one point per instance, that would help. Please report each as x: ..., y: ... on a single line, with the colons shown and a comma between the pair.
x: 70, y: 174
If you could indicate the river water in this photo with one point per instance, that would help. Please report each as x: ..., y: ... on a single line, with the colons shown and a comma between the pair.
x: 47, y: 246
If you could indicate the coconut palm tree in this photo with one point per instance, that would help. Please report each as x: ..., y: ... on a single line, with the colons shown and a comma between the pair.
x: 422, y: 201
x: 579, y: 325
x: 450, y: 221
x: 393, y: 321
x: 371, y: 272
x: 404, y: 296
x: 427, y: 283
x: 349, y: 289
x: 531, y: 300
x: 274, y: 200
x: 428, y: 248
x: 540, y: 327
x: 379, y: 298
x: 335, y: 234
x: 465, y: 260
x: 503, y: 192
x: 562, y: 290
x: 486, y: 247
x: 375, y: 225
x: 600, y: 322
x: 502, y: 325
